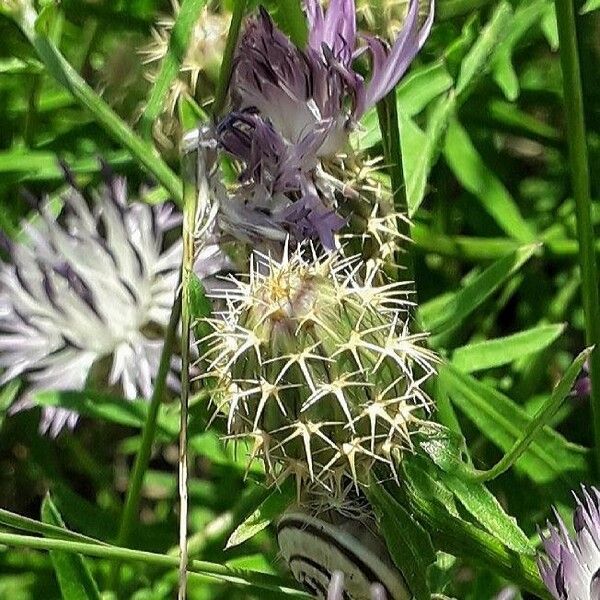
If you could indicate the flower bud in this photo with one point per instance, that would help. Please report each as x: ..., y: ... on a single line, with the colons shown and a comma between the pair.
x: 314, y: 361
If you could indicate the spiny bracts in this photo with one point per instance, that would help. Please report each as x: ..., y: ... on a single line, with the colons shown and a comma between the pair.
x: 313, y: 360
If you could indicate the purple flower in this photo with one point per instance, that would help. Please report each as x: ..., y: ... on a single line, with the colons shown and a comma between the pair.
x: 571, y: 566
x: 294, y: 108
x: 583, y: 386
x: 90, y: 291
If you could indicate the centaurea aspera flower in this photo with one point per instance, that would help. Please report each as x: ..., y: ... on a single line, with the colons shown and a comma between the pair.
x: 314, y: 362
x: 88, y: 293
x: 297, y: 106
x: 570, y: 567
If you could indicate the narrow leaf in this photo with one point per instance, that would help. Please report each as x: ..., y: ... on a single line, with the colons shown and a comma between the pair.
x: 477, y: 61
x: 72, y: 571
x: 461, y: 304
x: 543, y: 416
x: 409, y: 544
x: 502, y: 421
x: 501, y: 351
x: 187, y: 17
x: 477, y: 178
x: 264, y: 514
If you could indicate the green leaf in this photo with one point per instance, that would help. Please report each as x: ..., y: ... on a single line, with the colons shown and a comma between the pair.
x: 408, y: 543
x: 7, y: 395
x: 460, y: 538
x: 200, y: 307
x: 486, y: 509
x: 413, y: 94
x: 131, y: 413
x: 72, y: 571
x: 477, y: 61
x: 438, y: 317
x: 58, y: 67
x: 264, y: 515
x: 477, y: 178
x: 288, y: 14
x: 178, y: 45
x: 15, y: 521
x: 590, y: 6
x: 444, y: 448
x: 501, y: 351
x: 420, y: 150
x: 548, y: 457
x: 542, y: 417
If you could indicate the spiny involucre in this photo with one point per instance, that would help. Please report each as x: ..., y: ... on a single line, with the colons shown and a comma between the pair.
x: 314, y: 361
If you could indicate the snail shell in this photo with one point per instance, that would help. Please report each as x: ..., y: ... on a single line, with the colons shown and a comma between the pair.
x: 314, y: 549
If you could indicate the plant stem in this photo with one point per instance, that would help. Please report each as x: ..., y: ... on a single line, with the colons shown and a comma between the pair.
x: 67, y: 76
x: 189, y: 167
x: 387, y: 113
x: 239, y: 8
x: 580, y: 180
x: 179, y: 39
x: 217, y: 571
x: 142, y: 458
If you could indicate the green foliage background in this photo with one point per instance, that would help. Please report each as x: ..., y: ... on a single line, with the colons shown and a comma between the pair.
x: 481, y: 123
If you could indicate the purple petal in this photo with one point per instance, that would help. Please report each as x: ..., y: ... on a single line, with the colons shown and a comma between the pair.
x: 336, y: 29
x: 389, y: 67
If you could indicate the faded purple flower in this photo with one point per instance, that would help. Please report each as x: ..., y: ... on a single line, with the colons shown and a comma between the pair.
x: 571, y: 566
x: 294, y: 109
x: 583, y: 386
x: 86, y: 291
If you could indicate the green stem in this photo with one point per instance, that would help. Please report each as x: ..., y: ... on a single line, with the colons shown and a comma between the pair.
x: 142, y: 458
x: 387, y: 113
x: 189, y: 166
x: 541, y: 419
x: 217, y: 571
x: 580, y: 180
x: 178, y: 45
x: 239, y: 9
x: 66, y: 75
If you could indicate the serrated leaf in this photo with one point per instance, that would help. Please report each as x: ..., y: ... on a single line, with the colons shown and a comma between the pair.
x: 501, y: 351
x: 408, y: 543
x: 502, y: 421
x: 72, y: 571
x: 264, y: 515
x: 469, y: 168
x: 484, y: 507
x: 440, y: 316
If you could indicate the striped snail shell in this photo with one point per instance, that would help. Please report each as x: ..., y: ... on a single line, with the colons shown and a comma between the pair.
x: 314, y: 549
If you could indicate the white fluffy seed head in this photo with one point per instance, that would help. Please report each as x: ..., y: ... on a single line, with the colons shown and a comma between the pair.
x: 314, y: 361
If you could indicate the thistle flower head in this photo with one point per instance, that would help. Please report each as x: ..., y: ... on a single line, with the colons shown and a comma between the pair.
x: 315, y: 363
x: 570, y: 567
x: 91, y: 287
x: 293, y: 109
